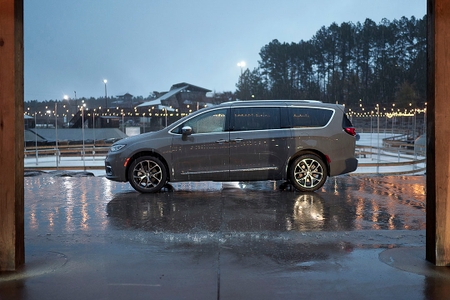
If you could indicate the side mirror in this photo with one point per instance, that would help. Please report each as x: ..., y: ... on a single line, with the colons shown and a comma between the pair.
x: 186, y: 130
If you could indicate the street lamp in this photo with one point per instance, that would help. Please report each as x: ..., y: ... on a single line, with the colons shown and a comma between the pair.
x: 56, y: 134
x: 378, y: 137
x: 36, y: 136
x: 93, y: 132
x: 48, y: 112
x: 106, y: 94
x: 241, y: 81
x: 241, y: 65
x: 66, y: 97
x: 82, y: 131
x: 123, y: 124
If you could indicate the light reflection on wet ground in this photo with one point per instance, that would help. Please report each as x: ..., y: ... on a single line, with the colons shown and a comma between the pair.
x: 344, y: 204
x: 248, y: 238
x: 257, y: 218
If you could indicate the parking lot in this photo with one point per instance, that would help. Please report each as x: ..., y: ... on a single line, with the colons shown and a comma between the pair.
x: 356, y: 238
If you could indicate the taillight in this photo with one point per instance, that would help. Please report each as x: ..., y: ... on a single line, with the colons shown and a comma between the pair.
x: 350, y: 130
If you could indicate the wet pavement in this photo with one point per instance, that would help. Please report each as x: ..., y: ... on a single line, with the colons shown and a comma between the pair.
x: 357, y: 238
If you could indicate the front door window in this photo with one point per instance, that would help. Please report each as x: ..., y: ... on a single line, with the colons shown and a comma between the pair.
x: 205, y: 152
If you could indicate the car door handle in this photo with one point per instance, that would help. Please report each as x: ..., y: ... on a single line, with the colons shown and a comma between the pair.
x: 237, y: 140
x: 221, y: 141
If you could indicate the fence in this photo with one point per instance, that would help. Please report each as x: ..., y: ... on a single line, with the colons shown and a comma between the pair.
x: 65, y: 157
x: 394, y: 160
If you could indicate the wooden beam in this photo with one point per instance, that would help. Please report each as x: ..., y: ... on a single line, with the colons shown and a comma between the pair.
x: 438, y: 132
x: 12, y: 248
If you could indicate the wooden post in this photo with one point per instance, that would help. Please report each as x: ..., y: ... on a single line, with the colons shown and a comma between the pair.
x: 12, y: 249
x: 438, y: 133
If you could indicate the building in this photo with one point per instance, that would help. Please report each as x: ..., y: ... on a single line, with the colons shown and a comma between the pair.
x: 183, y: 97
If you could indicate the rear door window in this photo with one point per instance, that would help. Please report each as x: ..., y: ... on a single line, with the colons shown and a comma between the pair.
x: 255, y: 118
x: 309, y: 117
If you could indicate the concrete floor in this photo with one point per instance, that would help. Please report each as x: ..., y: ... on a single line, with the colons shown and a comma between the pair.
x: 357, y: 238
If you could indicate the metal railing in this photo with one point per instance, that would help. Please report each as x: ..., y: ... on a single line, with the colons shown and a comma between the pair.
x: 391, y: 160
x: 88, y: 156
x: 67, y: 150
x: 395, y: 160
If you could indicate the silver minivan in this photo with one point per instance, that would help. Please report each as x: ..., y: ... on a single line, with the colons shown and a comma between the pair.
x: 298, y: 141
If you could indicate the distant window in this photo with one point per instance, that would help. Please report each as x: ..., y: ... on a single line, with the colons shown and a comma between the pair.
x: 309, y: 117
x: 213, y: 121
x: 255, y: 118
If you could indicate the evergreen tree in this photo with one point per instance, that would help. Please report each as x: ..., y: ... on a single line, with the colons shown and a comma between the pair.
x: 365, y: 63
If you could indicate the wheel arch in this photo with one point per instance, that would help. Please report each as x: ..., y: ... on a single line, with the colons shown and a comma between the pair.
x: 147, y: 153
x: 308, y: 151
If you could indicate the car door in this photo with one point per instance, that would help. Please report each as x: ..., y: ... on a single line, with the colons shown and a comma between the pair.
x: 204, y: 153
x: 257, y: 143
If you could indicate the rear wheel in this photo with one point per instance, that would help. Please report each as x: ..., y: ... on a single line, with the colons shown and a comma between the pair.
x: 147, y: 174
x: 308, y: 173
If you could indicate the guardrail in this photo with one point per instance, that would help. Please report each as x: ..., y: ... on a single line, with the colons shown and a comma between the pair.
x: 66, y: 150
x: 393, y: 161
x: 65, y: 157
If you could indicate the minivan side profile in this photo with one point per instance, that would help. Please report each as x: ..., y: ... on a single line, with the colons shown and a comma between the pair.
x: 299, y: 141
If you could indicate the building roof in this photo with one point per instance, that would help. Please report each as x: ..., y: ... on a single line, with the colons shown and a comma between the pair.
x: 175, y: 89
x: 150, y: 103
x: 124, y: 95
x: 190, y: 87
x: 163, y: 97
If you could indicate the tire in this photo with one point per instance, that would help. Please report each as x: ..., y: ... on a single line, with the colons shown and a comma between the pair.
x: 308, y: 173
x: 147, y: 174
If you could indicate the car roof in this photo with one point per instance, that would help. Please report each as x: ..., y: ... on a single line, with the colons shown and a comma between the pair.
x: 280, y: 103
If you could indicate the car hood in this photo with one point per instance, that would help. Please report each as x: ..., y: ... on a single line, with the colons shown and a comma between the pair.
x: 133, y: 139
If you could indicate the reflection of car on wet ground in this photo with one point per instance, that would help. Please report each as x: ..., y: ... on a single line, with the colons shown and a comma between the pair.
x: 196, y: 211
x: 300, y: 141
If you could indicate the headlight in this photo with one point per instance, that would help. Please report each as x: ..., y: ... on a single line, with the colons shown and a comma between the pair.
x: 115, y: 148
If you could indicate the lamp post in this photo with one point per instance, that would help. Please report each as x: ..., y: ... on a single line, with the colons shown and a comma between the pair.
x: 378, y: 138
x: 241, y: 65
x: 56, y: 134
x: 36, y: 136
x: 241, y: 81
x: 82, y: 133
x: 76, y: 102
x: 106, y: 94
x: 93, y: 132
x: 123, y: 124
x: 166, y: 115
x: 143, y: 121
x: 66, y: 98
x: 425, y: 118
x: 48, y: 112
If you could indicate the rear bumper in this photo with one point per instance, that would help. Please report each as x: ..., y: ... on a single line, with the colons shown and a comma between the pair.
x: 343, y: 167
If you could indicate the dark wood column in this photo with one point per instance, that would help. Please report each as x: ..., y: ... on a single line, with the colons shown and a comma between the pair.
x: 438, y: 133
x: 12, y: 252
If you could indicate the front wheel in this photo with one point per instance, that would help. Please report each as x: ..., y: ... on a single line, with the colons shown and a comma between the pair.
x: 307, y: 173
x: 147, y: 174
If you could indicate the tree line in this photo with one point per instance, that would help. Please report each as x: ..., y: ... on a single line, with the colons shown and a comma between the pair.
x: 352, y: 64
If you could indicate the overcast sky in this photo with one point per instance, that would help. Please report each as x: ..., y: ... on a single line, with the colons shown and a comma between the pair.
x: 141, y: 46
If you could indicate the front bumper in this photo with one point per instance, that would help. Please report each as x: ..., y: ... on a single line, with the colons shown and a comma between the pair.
x: 115, y: 170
